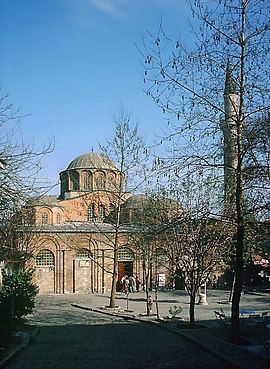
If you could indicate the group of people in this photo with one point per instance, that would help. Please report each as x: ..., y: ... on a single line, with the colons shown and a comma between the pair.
x: 130, y: 284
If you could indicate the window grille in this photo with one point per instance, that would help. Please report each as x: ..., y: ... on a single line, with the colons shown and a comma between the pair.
x: 45, y: 258
x: 161, y: 257
x: 83, y: 254
x: 86, y: 182
x: 45, y: 218
x: 111, y: 183
x: 100, y: 182
x: 101, y: 212
x: 125, y: 254
x: 58, y: 218
x: 90, y: 213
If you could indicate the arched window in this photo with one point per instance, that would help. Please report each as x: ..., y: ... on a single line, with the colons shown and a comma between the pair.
x: 74, y: 176
x: 161, y: 257
x: 86, y: 182
x: 45, y: 218
x: 111, y: 183
x: 90, y: 213
x: 64, y: 182
x: 45, y: 258
x: 84, y: 254
x: 125, y: 254
x: 100, y: 183
x: 101, y: 213
x: 58, y: 218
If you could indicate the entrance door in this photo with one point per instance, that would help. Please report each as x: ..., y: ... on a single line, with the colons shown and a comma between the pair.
x: 125, y: 258
x: 124, y: 268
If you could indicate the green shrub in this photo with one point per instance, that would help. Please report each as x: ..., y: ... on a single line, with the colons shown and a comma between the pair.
x: 17, y: 297
x: 175, y: 310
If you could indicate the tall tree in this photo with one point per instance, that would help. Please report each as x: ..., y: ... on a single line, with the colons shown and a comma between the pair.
x: 178, y: 227
x: 187, y: 82
x: 151, y: 219
x: 127, y: 150
x: 20, y: 164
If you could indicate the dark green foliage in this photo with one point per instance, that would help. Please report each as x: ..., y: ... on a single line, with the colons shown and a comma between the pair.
x: 18, y: 294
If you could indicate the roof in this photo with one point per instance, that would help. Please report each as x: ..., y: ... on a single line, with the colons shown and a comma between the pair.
x: 81, y: 227
x: 45, y: 200
x: 135, y: 201
x: 92, y: 161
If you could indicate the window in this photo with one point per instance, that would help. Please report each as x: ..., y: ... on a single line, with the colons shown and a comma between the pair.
x: 100, y: 183
x: 45, y: 258
x: 101, y: 215
x: 125, y: 254
x: 64, y: 182
x: 45, y: 218
x: 58, y: 218
x: 83, y: 254
x: 90, y: 213
x: 86, y: 182
x: 74, y: 176
x: 111, y: 183
x: 161, y: 257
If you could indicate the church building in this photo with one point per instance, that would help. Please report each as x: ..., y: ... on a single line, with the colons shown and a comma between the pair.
x: 73, y: 243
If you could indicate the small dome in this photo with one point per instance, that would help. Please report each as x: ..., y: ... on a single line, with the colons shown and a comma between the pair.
x: 92, y: 161
x: 135, y: 201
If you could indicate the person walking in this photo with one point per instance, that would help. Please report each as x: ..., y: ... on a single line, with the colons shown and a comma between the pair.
x: 131, y: 283
x: 137, y: 283
x: 126, y: 285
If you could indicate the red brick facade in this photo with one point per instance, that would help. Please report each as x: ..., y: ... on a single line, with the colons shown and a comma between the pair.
x: 74, y: 243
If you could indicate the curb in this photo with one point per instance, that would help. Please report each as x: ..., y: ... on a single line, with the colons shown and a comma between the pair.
x: 223, y: 349
x: 26, y: 337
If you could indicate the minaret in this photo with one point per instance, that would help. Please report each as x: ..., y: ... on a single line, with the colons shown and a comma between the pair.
x: 228, y: 126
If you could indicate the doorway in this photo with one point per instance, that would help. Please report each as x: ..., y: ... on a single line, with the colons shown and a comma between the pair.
x: 124, y: 268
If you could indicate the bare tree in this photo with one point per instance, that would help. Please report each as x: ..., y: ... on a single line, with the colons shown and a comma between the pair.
x: 16, y: 237
x: 19, y: 181
x: 196, y: 248
x: 128, y: 152
x: 20, y: 161
x: 187, y: 83
x: 152, y: 217
x: 181, y: 224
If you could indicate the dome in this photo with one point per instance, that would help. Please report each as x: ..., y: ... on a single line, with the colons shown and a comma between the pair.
x: 135, y: 201
x: 92, y: 161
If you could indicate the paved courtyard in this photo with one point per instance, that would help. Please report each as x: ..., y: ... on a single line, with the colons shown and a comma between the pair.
x: 76, y: 331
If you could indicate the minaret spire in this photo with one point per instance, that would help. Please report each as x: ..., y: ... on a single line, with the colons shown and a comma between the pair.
x: 230, y: 86
x: 228, y: 126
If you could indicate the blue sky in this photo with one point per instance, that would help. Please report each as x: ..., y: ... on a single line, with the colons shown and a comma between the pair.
x: 69, y: 64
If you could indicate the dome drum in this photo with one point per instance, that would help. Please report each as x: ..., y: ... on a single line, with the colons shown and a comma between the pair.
x: 87, y: 173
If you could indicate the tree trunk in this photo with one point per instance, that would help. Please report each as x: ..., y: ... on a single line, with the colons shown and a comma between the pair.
x: 232, y: 289
x: 235, y: 322
x: 156, y: 300
x: 114, y: 281
x: 192, y: 309
x: 115, y: 260
x: 147, y: 302
x: 239, y: 199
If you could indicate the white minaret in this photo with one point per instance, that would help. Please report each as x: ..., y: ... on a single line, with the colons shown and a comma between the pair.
x: 228, y: 126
